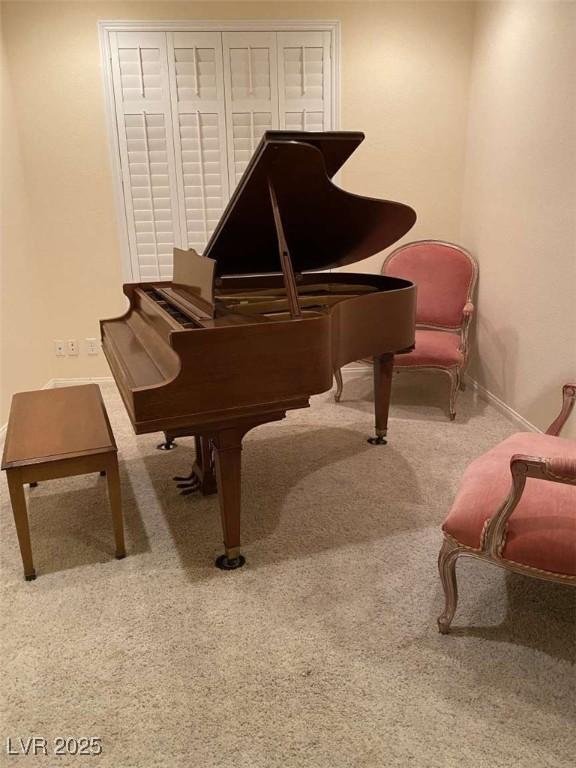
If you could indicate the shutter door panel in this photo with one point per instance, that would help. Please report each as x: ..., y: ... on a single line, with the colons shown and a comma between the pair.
x: 304, y: 82
x: 143, y: 117
x: 195, y: 62
x: 251, y: 79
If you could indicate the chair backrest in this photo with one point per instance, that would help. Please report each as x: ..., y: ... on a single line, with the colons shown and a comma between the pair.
x: 445, y: 275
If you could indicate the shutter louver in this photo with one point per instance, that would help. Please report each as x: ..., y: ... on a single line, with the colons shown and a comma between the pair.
x: 251, y: 94
x: 195, y: 61
x: 304, y: 81
x: 142, y: 99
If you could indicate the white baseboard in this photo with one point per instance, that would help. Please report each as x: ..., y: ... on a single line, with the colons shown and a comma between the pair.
x: 354, y: 369
x: 501, y: 406
x: 348, y: 370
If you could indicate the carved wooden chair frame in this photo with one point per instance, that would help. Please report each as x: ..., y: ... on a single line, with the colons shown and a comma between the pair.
x: 494, y: 534
x: 456, y: 372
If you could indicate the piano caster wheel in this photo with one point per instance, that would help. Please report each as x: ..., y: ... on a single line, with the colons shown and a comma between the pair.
x: 33, y: 484
x: 168, y: 445
x: 452, y: 417
x: 378, y: 440
x: 103, y: 473
x: 225, y: 564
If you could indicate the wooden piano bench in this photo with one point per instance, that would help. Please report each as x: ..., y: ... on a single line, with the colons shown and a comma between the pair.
x: 59, y: 433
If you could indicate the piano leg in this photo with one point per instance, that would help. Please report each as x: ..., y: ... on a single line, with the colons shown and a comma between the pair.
x: 383, y: 367
x: 228, y: 452
x: 222, y: 448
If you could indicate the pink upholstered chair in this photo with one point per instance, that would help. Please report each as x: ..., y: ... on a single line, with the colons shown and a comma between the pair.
x: 445, y: 275
x: 516, y: 508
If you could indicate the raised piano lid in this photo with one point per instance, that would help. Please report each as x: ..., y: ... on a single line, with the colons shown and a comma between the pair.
x: 324, y: 225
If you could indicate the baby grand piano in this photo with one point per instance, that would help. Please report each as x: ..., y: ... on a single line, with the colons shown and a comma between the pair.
x: 252, y: 329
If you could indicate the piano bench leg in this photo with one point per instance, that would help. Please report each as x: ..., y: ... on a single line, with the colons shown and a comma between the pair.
x: 230, y: 561
x: 168, y: 443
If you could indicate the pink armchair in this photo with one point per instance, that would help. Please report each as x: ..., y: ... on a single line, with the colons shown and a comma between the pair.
x: 516, y: 508
x: 445, y: 275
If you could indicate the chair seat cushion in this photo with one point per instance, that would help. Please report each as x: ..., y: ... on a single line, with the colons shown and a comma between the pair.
x: 542, y: 528
x: 433, y: 348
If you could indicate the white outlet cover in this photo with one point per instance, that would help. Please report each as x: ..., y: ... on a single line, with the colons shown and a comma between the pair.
x: 92, y: 346
x: 72, y: 346
x: 59, y: 348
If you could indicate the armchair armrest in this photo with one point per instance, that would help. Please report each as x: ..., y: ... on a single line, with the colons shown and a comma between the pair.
x: 561, y: 470
x: 558, y: 470
x: 568, y: 400
x: 467, y: 312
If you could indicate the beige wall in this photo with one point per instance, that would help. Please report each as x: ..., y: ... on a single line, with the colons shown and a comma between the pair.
x: 519, y: 214
x: 24, y: 356
x: 412, y: 73
x: 405, y: 69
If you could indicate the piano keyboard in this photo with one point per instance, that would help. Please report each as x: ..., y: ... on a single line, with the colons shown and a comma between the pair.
x: 175, y: 313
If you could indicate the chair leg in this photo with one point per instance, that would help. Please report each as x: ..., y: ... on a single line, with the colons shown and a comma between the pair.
x: 462, y: 384
x: 454, y: 386
x: 447, y: 569
x: 339, y: 384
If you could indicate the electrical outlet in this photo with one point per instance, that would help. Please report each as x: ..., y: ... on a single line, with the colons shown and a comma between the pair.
x: 72, y: 347
x: 92, y: 346
x: 59, y: 348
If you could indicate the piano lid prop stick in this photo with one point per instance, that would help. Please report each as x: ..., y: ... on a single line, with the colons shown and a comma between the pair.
x: 285, y: 260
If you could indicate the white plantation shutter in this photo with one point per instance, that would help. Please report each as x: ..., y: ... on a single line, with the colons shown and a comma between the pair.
x: 190, y: 107
x: 250, y: 74
x: 304, y: 85
x: 143, y: 116
x: 198, y: 107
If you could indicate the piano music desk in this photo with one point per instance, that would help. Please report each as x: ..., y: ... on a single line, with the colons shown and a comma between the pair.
x: 59, y: 433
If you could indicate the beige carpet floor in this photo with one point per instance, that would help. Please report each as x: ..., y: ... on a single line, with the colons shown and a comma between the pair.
x: 323, y: 651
